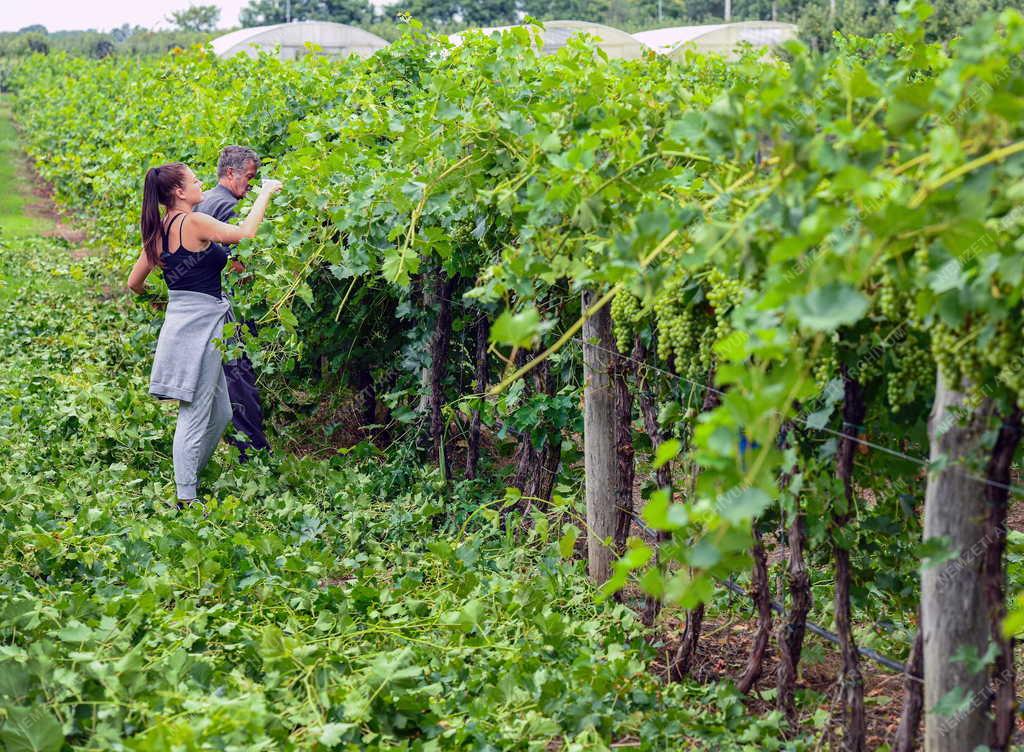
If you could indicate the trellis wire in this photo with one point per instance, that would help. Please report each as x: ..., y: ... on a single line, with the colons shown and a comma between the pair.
x: 832, y: 637
x: 895, y: 453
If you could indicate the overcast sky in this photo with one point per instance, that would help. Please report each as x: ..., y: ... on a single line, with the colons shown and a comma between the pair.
x: 103, y: 15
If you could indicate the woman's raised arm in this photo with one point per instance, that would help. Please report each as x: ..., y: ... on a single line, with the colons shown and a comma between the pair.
x: 208, y: 228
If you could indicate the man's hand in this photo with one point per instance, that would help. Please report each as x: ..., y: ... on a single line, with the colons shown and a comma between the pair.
x: 239, y: 268
x: 147, y: 297
x: 270, y: 186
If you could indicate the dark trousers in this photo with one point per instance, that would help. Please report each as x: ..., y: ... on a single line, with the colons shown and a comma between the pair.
x: 247, y: 415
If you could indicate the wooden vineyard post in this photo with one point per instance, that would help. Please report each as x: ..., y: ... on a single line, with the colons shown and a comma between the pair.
x: 997, y: 494
x: 794, y: 626
x: 913, y: 699
x: 663, y: 475
x: 762, y: 600
x: 366, y: 396
x: 625, y: 460
x: 439, y: 343
x: 682, y: 661
x: 599, y: 440
x: 954, y: 617
x: 481, y: 329
x: 852, y: 681
x: 537, y: 468
x: 790, y: 635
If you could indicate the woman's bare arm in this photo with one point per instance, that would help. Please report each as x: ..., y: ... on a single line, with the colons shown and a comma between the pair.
x: 141, y: 270
x: 208, y: 228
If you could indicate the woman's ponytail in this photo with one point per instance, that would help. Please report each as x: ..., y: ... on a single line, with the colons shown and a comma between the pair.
x: 158, y: 189
x: 150, y: 224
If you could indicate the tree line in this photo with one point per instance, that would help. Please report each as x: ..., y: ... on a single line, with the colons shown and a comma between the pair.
x: 817, y: 20
x: 124, y: 40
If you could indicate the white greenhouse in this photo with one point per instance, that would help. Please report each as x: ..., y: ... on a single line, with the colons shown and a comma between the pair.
x: 615, y: 42
x: 722, y: 39
x: 336, y: 40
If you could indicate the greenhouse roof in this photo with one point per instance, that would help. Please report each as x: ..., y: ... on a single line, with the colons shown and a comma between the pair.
x: 719, y: 38
x: 334, y: 38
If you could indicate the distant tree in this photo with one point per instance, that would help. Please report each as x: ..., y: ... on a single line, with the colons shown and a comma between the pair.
x: 951, y: 17
x: 146, y: 42
x: 103, y: 48
x: 195, y: 18
x: 488, y: 12
x: 262, y: 12
x: 355, y: 12
x: 36, y: 42
x: 123, y: 32
x: 869, y: 17
x: 433, y: 13
x: 33, y: 29
x: 584, y: 10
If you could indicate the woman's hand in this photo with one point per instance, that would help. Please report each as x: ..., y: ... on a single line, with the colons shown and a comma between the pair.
x: 271, y: 186
x: 208, y: 228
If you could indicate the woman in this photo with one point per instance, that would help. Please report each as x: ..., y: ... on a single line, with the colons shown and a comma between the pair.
x: 186, y: 245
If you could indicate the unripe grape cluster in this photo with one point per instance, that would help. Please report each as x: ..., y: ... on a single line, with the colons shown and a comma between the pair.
x: 461, y: 234
x: 890, y: 303
x: 921, y: 262
x: 1000, y: 350
x: 912, y: 375
x: 1011, y: 376
x: 675, y: 329
x: 685, y: 333
x: 824, y: 370
x: 943, y: 343
x: 1002, y: 354
x: 626, y: 314
x: 955, y: 355
x: 722, y: 291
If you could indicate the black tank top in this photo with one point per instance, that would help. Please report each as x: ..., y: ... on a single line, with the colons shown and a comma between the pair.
x: 195, y: 271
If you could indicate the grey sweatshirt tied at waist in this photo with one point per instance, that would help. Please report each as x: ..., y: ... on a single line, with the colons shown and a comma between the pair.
x: 193, y: 319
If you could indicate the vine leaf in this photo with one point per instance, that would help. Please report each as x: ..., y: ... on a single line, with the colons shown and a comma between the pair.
x: 31, y: 730
x: 666, y: 452
x: 829, y: 307
x: 518, y: 329
x: 747, y: 504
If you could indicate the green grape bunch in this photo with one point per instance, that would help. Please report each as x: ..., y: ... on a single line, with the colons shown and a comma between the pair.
x: 912, y: 375
x: 626, y: 314
x: 722, y: 292
x: 889, y: 301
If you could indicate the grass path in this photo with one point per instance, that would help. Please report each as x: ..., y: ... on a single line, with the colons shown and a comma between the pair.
x: 16, y: 197
x: 347, y: 603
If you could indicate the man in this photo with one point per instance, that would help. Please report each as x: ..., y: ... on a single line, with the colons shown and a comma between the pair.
x: 236, y: 168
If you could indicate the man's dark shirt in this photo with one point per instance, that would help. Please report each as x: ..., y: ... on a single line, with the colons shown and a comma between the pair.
x: 219, y: 203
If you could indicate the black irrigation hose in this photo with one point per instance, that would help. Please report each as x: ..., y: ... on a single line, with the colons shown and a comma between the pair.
x: 869, y: 653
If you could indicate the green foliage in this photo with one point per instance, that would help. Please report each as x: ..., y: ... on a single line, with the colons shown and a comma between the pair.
x: 125, y: 40
x: 771, y: 224
x: 15, y: 218
x: 309, y: 605
x: 201, y: 18
x: 261, y: 12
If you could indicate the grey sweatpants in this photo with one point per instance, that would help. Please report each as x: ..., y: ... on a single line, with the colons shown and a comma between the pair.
x: 201, y: 423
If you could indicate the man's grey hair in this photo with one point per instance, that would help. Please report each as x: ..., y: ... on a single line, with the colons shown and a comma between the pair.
x: 236, y: 158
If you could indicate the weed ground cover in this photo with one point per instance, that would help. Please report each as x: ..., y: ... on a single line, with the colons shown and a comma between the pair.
x: 312, y: 604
